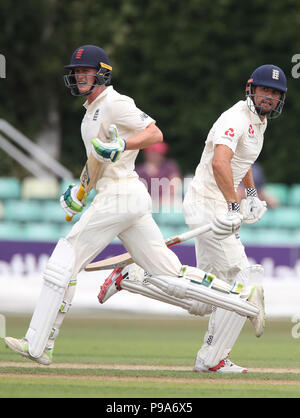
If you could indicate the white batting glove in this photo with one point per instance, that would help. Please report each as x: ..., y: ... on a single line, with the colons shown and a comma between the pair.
x: 229, y: 223
x: 70, y: 203
x: 252, y: 208
x: 107, y: 152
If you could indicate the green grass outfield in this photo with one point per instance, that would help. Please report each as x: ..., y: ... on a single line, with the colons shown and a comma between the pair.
x: 149, y: 358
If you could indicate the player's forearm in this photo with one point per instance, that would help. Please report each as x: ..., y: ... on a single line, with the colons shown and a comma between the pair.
x: 248, y: 180
x: 149, y: 136
x: 224, y: 179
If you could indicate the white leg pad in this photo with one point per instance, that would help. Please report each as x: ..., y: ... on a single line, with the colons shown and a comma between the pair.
x: 251, y: 275
x: 223, y: 330
x: 147, y: 289
x: 56, y: 276
x: 198, y: 285
x: 64, y: 308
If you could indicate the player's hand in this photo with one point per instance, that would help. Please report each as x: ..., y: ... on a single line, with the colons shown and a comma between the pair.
x: 227, y: 224
x: 70, y: 202
x: 107, y: 152
x: 253, y: 209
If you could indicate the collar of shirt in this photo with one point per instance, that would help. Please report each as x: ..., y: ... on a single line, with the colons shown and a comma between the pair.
x: 98, y: 99
x: 254, y: 118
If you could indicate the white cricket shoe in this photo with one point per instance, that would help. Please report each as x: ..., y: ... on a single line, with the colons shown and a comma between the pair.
x: 224, y: 366
x: 21, y: 347
x: 257, y: 298
x: 111, y: 285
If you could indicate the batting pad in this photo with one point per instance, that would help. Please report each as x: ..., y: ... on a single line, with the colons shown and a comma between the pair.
x: 147, y: 289
x: 56, y: 277
x: 207, y: 292
x: 223, y: 330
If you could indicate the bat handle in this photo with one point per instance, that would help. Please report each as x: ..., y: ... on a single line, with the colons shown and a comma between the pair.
x: 80, y: 192
x: 80, y: 195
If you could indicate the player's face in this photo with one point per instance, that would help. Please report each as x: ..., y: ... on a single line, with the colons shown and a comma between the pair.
x: 85, y: 78
x: 266, y: 98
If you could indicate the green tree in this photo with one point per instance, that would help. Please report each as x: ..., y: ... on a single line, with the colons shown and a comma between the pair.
x: 184, y: 63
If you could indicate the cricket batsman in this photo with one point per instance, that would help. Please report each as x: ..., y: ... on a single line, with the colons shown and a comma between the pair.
x: 232, y: 146
x: 114, y: 129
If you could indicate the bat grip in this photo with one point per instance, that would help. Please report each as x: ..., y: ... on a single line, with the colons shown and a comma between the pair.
x: 80, y: 193
x: 79, y: 196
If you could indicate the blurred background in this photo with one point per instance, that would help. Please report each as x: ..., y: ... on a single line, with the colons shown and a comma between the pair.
x: 184, y: 63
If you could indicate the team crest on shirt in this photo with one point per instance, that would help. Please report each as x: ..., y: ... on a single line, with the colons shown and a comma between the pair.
x: 229, y: 133
x: 250, y: 131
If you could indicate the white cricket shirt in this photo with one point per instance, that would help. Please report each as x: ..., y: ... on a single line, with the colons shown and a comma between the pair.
x: 243, y: 132
x: 108, y: 108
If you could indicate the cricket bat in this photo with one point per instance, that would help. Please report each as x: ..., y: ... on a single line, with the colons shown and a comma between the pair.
x: 125, y: 259
x: 88, y: 178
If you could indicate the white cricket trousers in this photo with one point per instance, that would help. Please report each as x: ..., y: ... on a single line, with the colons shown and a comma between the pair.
x: 126, y: 215
x: 123, y: 212
x: 225, y: 259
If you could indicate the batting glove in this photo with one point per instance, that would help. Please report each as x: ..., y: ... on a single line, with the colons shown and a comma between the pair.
x: 229, y: 223
x: 70, y: 203
x: 107, y: 152
x: 252, y: 208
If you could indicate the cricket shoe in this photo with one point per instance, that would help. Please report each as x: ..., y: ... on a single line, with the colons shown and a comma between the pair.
x: 224, y: 366
x: 112, y: 284
x: 21, y: 347
x: 257, y: 298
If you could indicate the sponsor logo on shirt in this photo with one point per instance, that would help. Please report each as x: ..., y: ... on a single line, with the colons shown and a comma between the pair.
x: 229, y: 133
x: 251, y: 131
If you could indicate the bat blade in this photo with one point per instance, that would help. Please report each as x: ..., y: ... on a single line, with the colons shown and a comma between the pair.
x: 91, y: 173
x: 124, y: 259
x: 121, y: 260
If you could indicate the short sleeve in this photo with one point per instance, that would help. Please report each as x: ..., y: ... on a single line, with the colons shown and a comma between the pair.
x: 227, y: 132
x: 125, y: 114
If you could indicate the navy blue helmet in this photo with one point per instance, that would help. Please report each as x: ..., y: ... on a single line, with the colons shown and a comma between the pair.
x: 90, y: 56
x: 267, y: 76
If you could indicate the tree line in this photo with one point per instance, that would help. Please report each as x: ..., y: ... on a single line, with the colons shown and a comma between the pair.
x: 184, y: 63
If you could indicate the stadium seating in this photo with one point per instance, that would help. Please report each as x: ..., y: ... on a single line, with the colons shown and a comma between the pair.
x: 52, y: 212
x: 278, y: 190
x: 10, y: 188
x: 294, y: 195
x: 65, y: 228
x: 40, y: 231
x: 266, y: 236
x: 34, y: 188
x: 265, y: 222
x: 285, y: 217
x: 11, y: 231
x: 30, y: 210
x: 22, y: 211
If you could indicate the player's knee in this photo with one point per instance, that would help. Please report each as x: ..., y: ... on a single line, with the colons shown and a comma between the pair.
x: 199, y: 308
x: 60, y: 266
x: 251, y: 275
